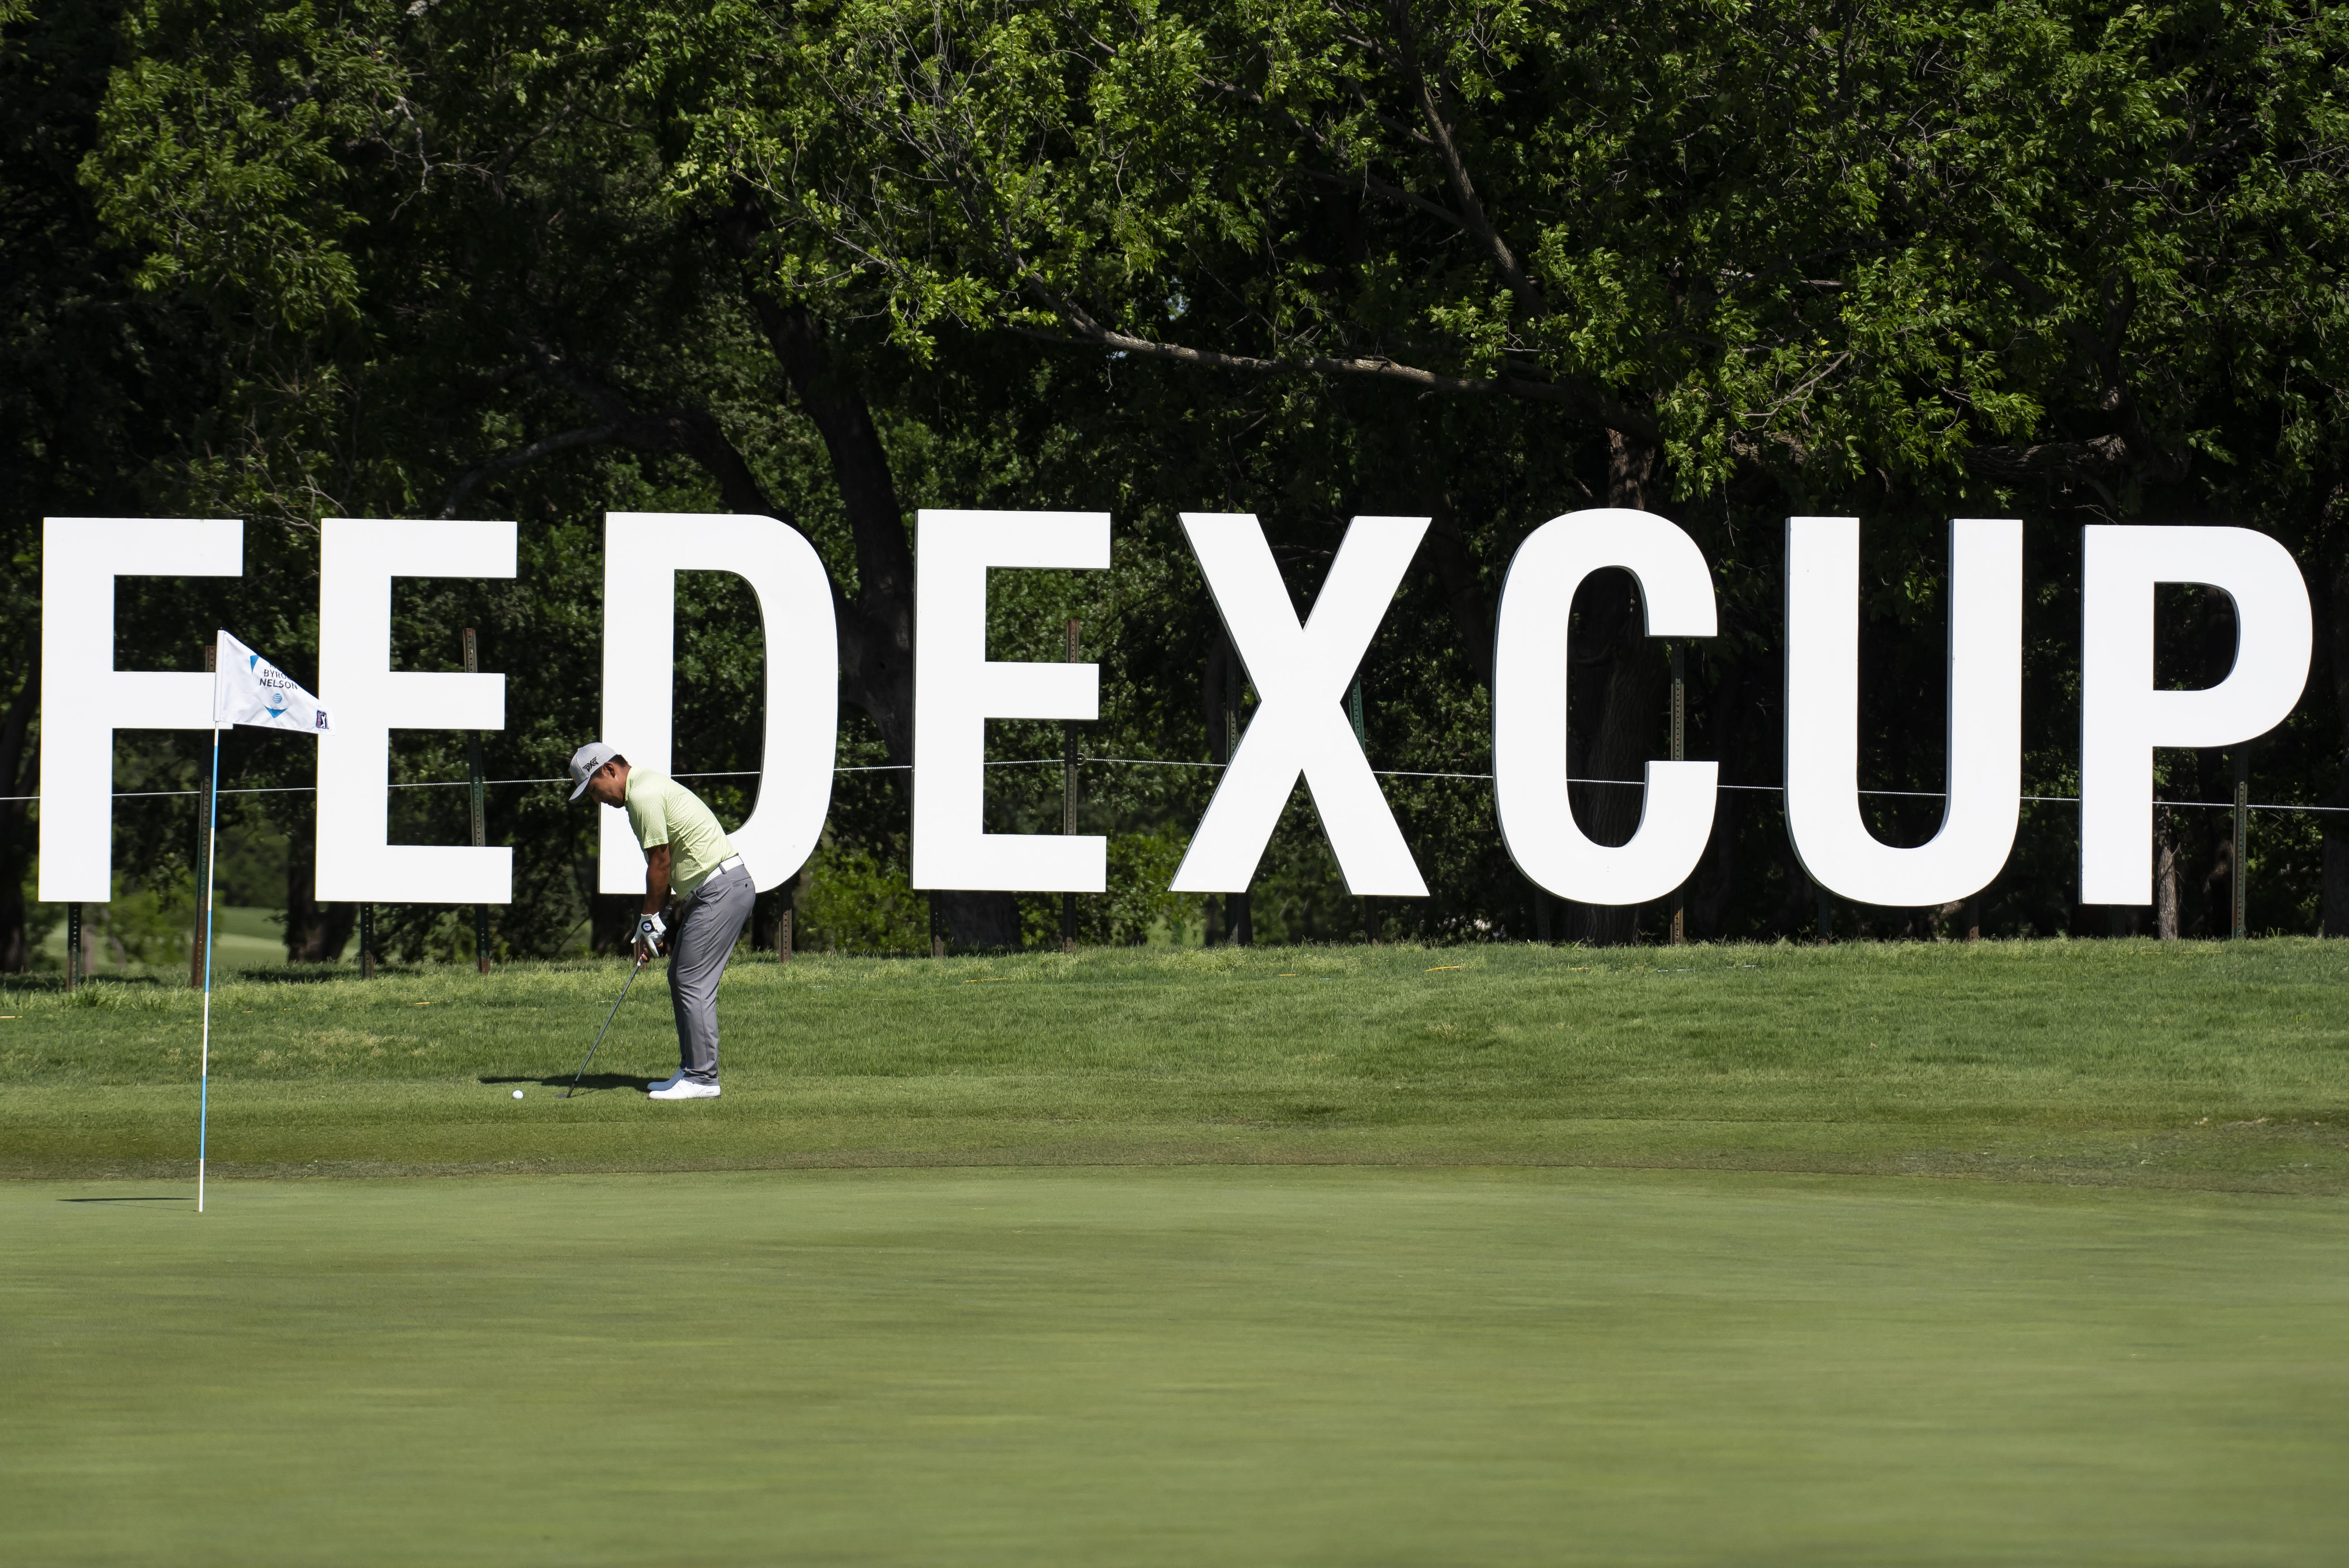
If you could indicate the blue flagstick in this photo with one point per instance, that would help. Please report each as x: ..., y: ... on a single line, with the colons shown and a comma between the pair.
x: 212, y: 857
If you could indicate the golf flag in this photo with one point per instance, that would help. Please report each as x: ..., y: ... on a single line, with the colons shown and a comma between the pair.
x: 246, y: 689
x: 249, y: 689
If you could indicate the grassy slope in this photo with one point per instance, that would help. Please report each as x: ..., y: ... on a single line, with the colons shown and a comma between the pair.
x: 2186, y: 1065
x: 1373, y: 1366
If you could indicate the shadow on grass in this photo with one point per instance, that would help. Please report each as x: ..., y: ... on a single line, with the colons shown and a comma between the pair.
x: 593, y: 1081
x: 174, y: 1198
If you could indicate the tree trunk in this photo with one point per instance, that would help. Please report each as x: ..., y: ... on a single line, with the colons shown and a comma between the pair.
x: 1446, y: 552
x: 16, y: 750
x: 315, y: 933
x: 1619, y: 742
x: 1219, y: 706
x: 1728, y: 712
x: 612, y: 921
x: 2333, y: 611
x: 2165, y: 875
x: 876, y: 630
x: 1794, y: 910
x: 2215, y: 615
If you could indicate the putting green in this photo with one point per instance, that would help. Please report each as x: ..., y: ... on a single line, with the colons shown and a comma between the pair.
x: 1260, y: 1365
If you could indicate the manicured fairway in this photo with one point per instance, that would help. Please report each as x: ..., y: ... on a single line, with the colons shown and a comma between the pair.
x: 1172, y: 1366
x: 2028, y: 1253
x: 2183, y: 1065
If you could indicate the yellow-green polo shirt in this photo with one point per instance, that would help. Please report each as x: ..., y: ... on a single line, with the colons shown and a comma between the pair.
x: 663, y: 811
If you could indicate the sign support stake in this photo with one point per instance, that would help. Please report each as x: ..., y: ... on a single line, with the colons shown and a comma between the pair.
x: 1069, y: 808
x: 481, y: 822
x: 1680, y: 754
x: 1356, y: 711
x: 2241, y: 879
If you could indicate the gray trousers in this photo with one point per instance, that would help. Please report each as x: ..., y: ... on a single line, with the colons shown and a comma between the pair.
x: 707, y: 926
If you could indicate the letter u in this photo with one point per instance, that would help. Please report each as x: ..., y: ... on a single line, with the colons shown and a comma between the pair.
x: 1985, y: 716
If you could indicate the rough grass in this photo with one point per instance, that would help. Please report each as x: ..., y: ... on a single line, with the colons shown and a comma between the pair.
x: 2190, y: 1065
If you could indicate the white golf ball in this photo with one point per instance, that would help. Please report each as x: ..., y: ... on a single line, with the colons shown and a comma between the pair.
x: 517, y: 1094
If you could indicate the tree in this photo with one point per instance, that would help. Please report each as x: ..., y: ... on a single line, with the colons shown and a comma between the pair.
x: 1482, y: 263
x: 1904, y: 260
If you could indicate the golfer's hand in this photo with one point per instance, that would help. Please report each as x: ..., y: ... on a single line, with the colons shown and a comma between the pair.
x: 650, y: 932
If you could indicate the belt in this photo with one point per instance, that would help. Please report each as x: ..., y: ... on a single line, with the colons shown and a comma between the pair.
x: 733, y: 864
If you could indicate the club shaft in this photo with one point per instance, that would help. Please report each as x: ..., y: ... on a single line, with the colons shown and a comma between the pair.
x: 606, y: 1029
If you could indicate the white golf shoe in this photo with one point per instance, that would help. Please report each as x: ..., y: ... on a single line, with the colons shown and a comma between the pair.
x: 683, y: 1087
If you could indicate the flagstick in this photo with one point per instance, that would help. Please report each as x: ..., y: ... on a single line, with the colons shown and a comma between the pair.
x: 211, y: 858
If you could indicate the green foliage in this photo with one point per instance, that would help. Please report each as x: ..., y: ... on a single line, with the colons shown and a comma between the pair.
x: 1831, y: 243
x: 147, y: 925
x: 852, y: 902
x: 1480, y: 263
x: 218, y: 150
x: 1137, y: 911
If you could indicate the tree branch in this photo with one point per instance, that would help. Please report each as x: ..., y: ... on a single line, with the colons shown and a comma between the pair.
x: 2075, y: 458
x: 1590, y: 403
x: 1455, y: 169
x: 480, y: 474
x: 689, y: 432
x: 1377, y: 187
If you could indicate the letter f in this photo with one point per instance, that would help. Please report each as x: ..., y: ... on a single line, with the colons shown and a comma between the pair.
x: 1300, y: 675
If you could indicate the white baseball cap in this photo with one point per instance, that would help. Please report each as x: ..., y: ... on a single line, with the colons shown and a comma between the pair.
x: 587, y: 761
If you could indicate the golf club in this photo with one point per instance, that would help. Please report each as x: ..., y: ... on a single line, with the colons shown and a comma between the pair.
x: 607, y: 1024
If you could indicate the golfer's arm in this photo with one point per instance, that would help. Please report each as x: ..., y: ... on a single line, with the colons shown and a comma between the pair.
x: 655, y: 878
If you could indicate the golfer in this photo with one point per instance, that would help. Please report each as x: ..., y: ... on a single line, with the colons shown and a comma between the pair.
x: 684, y: 849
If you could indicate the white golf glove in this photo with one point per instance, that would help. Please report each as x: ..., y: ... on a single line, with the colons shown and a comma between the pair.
x: 650, y: 930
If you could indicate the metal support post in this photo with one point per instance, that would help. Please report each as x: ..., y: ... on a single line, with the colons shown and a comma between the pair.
x: 207, y: 814
x: 73, y: 945
x: 2241, y: 877
x: 784, y: 929
x: 367, y: 941
x: 1680, y: 753
x: 938, y: 930
x: 1240, y: 929
x: 1069, y: 808
x: 1356, y: 710
x: 480, y: 815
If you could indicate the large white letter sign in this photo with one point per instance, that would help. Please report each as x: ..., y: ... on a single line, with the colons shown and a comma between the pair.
x: 1529, y: 698
x: 1300, y: 675
x: 802, y: 675
x: 1985, y: 723
x: 84, y: 700
x: 957, y: 690
x: 357, y: 561
x: 2123, y: 718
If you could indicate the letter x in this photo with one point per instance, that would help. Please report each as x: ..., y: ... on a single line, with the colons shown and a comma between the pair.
x: 1300, y: 675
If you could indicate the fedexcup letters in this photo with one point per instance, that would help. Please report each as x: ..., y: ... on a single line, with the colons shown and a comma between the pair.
x: 1301, y: 672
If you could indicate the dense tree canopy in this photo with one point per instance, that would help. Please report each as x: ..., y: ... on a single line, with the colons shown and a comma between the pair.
x: 1482, y: 263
